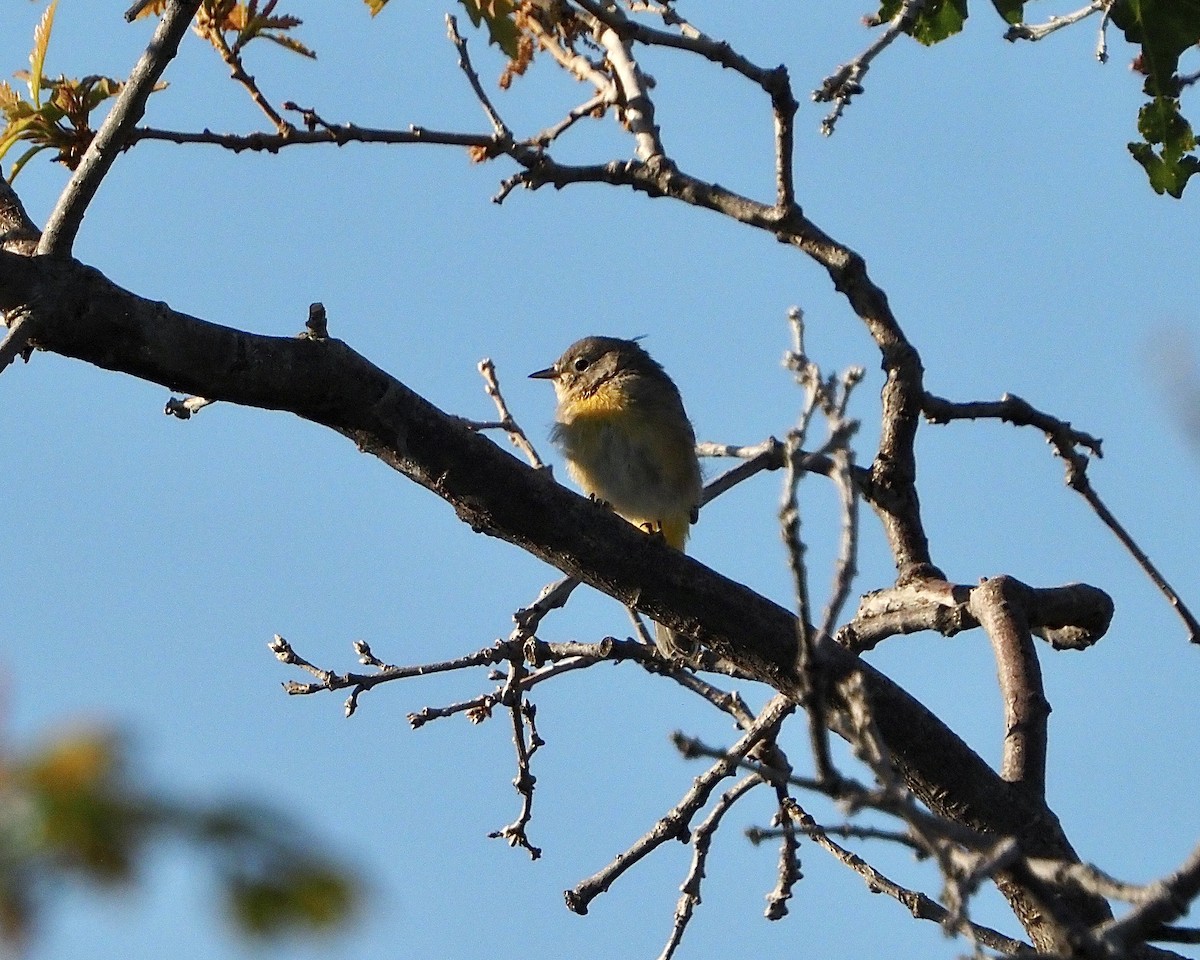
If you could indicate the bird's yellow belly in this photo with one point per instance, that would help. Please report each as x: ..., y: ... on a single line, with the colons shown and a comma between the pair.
x: 628, y: 460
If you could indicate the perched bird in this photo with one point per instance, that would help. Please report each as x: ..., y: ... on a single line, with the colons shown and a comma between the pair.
x: 621, y: 425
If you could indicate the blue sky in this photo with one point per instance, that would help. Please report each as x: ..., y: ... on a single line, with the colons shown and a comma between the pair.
x: 149, y: 561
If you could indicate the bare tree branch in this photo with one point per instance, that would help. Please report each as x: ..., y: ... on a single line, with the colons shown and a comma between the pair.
x: 1066, y: 440
x: 333, y: 134
x: 998, y: 605
x: 1034, y: 32
x: 499, y: 127
x: 919, y: 905
x: 1165, y: 901
x: 507, y: 423
x: 674, y: 825
x: 701, y: 842
x: 1072, y: 617
x: 83, y: 315
x: 846, y: 82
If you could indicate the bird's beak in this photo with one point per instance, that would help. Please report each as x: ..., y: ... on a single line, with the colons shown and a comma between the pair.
x: 548, y: 374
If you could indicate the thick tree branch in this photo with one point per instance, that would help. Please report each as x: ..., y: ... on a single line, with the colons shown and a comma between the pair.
x: 1000, y: 607
x: 18, y: 233
x: 81, y: 314
x: 1072, y: 617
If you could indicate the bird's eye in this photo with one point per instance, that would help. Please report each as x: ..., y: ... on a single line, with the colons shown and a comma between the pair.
x: 581, y: 364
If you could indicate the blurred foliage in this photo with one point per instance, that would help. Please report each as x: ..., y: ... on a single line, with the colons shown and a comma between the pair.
x: 70, y: 812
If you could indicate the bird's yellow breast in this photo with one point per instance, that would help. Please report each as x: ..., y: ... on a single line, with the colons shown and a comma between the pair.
x: 638, y: 456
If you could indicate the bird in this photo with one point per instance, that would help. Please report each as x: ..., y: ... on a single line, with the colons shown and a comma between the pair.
x: 621, y: 425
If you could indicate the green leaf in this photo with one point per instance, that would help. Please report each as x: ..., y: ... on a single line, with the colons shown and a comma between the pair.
x: 937, y: 20
x: 37, y: 57
x: 1163, y: 29
x: 290, y: 43
x: 1167, y: 174
x: 13, y: 132
x: 497, y: 14
x: 23, y: 159
x: 292, y: 896
x: 1013, y: 11
x: 1161, y: 122
x: 98, y: 89
x: 1170, y: 167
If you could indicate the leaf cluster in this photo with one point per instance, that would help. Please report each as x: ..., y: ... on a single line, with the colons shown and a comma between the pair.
x: 228, y: 24
x: 56, y: 112
x: 72, y: 813
x: 1163, y: 29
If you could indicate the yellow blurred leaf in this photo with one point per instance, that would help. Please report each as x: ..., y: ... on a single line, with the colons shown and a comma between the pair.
x: 154, y: 9
x: 81, y: 760
x: 37, y: 58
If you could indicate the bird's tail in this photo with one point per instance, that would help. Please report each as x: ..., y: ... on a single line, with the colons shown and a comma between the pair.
x: 675, y: 645
x: 671, y: 643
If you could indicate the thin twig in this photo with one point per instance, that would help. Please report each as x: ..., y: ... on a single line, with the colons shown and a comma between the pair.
x: 1077, y: 480
x: 334, y: 135
x: 592, y: 107
x: 522, y: 712
x: 1166, y: 900
x: 808, y: 376
x: 768, y: 456
x: 846, y: 566
x: 919, y: 905
x: 1066, y: 441
x: 701, y: 843
x: 1102, y: 33
x: 328, y: 680
x: 788, y: 871
x: 846, y: 82
x: 464, y: 63
x: 1035, y: 32
x: 849, y: 792
x: 849, y: 831
x: 237, y: 72
x: 520, y: 440
x: 674, y: 824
